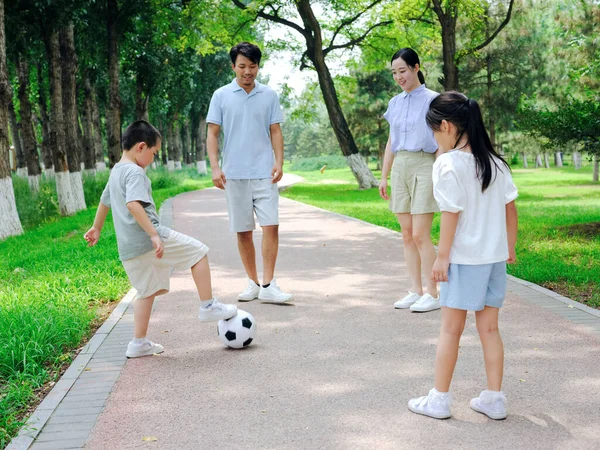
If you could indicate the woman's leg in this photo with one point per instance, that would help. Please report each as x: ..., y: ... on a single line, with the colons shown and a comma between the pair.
x: 411, y: 253
x: 493, y: 348
x: 453, y: 324
x: 421, y: 235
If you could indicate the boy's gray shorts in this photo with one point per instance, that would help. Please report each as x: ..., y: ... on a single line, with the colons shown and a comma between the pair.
x: 245, y: 197
x: 472, y: 288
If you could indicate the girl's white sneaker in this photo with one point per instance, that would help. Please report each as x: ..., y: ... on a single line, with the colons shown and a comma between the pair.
x: 435, y: 404
x: 490, y: 403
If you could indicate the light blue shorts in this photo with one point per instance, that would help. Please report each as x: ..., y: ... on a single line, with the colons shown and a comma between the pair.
x: 472, y: 288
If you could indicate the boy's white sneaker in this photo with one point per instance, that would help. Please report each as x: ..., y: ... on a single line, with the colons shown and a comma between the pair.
x: 217, y: 311
x: 144, y: 348
x: 435, y: 404
x: 250, y: 293
x: 407, y: 301
x: 426, y: 303
x: 273, y: 294
x: 490, y: 403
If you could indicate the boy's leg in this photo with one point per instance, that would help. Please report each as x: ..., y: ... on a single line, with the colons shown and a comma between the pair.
x: 493, y: 348
x: 453, y: 324
x: 142, y: 309
x: 201, y: 276
x: 270, y: 247
x: 248, y: 254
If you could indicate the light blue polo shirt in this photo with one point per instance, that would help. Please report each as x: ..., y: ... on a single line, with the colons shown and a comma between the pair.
x: 406, y: 116
x: 245, y: 120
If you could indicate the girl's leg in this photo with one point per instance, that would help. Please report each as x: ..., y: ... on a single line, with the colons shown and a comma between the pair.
x: 142, y: 308
x: 421, y: 235
x: 493, y: 348
x: 411, y: 253
x: 201, y: 275
x: 453, y: 324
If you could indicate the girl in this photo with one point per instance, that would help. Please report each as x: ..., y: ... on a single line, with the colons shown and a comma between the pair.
x: 476, y: 194
x: 411, y: 147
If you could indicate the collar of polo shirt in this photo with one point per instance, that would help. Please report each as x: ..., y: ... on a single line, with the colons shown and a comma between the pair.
x: 257, y: 87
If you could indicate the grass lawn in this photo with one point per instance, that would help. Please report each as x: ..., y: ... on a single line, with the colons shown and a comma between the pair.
x: 53, y: 292
x: 559, y: 223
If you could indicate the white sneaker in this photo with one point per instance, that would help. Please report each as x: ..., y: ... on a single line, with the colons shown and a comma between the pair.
x: 426, y: 303
x: 407, y: 301
x: 250, y: 293
x: 435, y: 404
x: 217, y: 311
x: 145, y: 348
x: 273, y: 294
x: 490, y: 403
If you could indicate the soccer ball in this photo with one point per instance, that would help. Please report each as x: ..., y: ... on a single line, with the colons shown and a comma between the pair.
x: 238, y: 331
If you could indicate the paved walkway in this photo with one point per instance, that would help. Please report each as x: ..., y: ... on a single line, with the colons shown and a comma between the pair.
x: 332, y: 371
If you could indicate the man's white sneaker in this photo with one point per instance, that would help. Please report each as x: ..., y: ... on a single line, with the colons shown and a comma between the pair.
x: 217, y: 311
x: 250, y: 293
x: 492, y: 404
x: 435, y: 404
x: 144, y: 348
x: 407, y: 301
x: 426, y: 303
x: 273, y: 294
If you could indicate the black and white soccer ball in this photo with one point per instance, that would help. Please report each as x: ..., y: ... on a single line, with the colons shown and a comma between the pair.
x: 238, y: 331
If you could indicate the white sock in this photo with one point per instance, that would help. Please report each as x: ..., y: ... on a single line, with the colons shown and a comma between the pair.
x: 138, y: 340
x: 204, y: 304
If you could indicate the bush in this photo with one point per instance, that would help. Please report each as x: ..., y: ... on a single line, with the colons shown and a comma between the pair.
x: 35, y: 208
x: 316, y: 162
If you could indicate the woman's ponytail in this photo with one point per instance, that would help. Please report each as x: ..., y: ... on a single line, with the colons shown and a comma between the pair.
x: 421, y: 77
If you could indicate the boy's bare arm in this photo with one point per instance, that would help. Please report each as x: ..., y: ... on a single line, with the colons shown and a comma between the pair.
x: 93, y: 233
x: 139, y: 214
x: 448, y: 226
x: 512, y: 222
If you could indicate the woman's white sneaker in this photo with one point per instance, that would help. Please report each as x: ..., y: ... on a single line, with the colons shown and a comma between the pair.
x: 217, y: 311
x: 490, y: 403
x: 144, y: 348
x: 426, y: 303
x: 435, y: 404
x: 273, y: 294
x: 407, y: 301
x: 250, y: 293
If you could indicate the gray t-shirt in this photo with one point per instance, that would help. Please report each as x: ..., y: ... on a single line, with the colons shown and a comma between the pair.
x: 128, y: 182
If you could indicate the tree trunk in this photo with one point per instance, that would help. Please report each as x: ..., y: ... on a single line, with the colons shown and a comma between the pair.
x: 10, y: 224
x: 447, y: 21
x: 558, y: 159
x: 97, y: 128
x: 66, y: 201
x: 187, y: 142
x: 141, y: 101
x: 577, y: 160
x: 69, y: 92
x: 171, y: 144
x: 525, y: 160
x: 538, y: 161
x: 201, y: 146
x: 15, y: 128
x: 546, y: 161
x: 314, y: 45
x: 113, y: 115
x: 595, y: 161
x: 178, y: 145
x: 27, y: 131
x: 89, y: 157
x: 45, y: 124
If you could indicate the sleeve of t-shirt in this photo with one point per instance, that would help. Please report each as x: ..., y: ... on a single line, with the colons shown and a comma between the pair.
x: 215, y: 114
x: 105, y: 198
x: 448, y: 192
x: 510, y: 190
x: 276, y: 112
x: 387, y: 113
x: 136, y: 189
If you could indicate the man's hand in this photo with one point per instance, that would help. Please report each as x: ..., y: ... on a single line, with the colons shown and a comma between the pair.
x: 157, y: 243
x: 512, y: 255
x: 218, y: 178
x: 92, y: 236
x: 439, y: 272
x: 383, y: 185
x: 276, y: 173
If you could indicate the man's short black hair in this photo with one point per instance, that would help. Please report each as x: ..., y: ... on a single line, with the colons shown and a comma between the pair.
x: 250, y: 51
x: 140, y: 131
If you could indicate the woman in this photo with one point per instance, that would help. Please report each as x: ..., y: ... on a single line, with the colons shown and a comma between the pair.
x: 411, y: 148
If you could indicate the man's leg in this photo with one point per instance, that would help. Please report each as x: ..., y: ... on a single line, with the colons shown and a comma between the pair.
x: 270, y: 247
x: 248, y: 254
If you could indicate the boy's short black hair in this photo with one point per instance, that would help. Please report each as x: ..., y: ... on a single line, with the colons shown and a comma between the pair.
x: 140, y: 131
x: 250, y: 51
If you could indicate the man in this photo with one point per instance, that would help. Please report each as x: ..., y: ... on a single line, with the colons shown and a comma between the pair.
x: 250, y: 117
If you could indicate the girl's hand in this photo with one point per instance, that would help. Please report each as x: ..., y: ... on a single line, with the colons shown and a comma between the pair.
x: 439, y: 272
x: 383, y: 189
x: 512, y: 256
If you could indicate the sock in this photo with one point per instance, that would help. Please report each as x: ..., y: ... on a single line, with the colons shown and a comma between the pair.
x: 256, y: 283
x: 441, y: 394
x: 138, y: 340
x: 206, y: 303
x: 266, y: 285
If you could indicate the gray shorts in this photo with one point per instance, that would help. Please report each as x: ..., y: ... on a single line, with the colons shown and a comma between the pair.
x: 472, y: 288
x: 245, y: 197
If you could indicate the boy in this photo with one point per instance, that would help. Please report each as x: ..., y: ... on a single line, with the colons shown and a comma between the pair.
x: 148, y: 250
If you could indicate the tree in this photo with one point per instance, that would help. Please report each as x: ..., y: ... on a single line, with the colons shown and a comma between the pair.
x: 10, y: 224
x: 317, y: 47
x: 113, y: 114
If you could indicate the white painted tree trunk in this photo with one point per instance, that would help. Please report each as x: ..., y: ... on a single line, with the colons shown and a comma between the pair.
x: 558, y: 159
x: 34, y: 183
x: 524, y: 160
x: 22, y: 172
x: 201, y: 167
x: 361, y: 172
x: 596, y: 161
x: 100, y: 166
x: 177, y: 165
x: 82, y: 166
x: 90, y: 172
x: 538, y: 160
x: 10, y: 224
x: 170, y: 165
x: 577, y: 160
x: 546, y: 161
x: 49, y: 173
x: 66, y: 200
x: 77, y: 190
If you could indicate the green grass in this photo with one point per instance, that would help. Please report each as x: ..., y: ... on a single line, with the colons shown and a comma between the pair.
x: 555, y: 248
x: 53, y: 288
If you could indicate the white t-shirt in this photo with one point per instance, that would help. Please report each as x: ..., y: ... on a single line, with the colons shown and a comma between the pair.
x: 481, y: 236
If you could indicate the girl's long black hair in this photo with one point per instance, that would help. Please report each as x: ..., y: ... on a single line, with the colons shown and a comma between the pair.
x: 465, y: 114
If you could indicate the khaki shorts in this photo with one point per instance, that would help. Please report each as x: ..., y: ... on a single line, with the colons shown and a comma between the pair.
x: 150, y: 276
x: 412, y: 185
x: 245, y: 197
